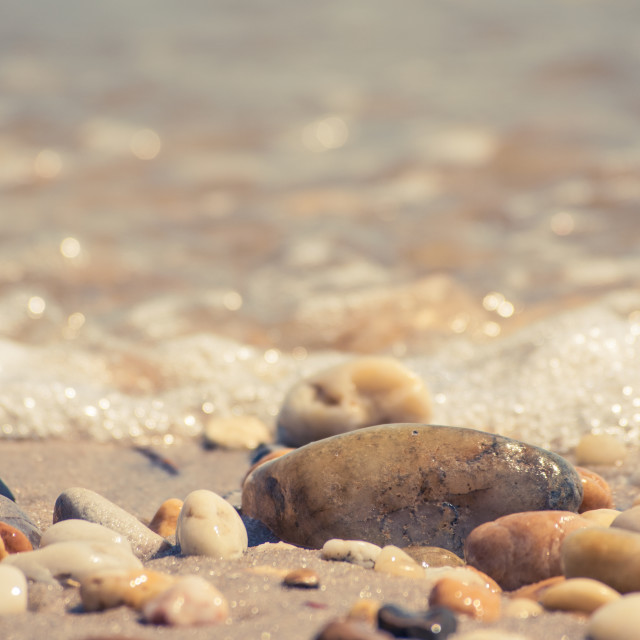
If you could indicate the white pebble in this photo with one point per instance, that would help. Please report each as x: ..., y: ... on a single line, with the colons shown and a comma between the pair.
x: 81, y: 531
x: 73, y: 559
x: 357, y: 552
x: 13, y: 590
x: 209, y: 526
x: 190, y: 601
x: 618, y: 620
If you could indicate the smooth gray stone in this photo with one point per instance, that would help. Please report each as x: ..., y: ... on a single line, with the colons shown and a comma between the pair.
x: 85, y: 504
x: 13, y: 515
x: 405, y: 484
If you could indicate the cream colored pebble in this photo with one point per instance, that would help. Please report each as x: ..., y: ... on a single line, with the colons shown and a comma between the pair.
x: 602, y: 517
x: 75, y: 530
x: 578, y: 594
x: 236, y: 432
x: 618, y: 620
x: 357, y: 552
x: 521, y: 608
x: 209, y: 526
x: 13, y: 590
x: 396, y: 562
x: 628, y: 520
x: 602, y: 448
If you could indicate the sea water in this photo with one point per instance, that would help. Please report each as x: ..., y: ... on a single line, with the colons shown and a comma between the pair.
x: 202, y: 203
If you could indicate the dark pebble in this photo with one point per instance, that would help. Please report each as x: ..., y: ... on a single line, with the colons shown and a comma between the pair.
x: 437, y: 623
x: 5, y: 491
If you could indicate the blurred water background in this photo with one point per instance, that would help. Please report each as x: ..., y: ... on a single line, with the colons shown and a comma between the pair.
x: 201, y: 202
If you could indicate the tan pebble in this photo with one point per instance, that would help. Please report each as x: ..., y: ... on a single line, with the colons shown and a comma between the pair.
x: 108, y: 589
x: 618, y: 620
x: 611, y: 555
x: 602, y: 517
x: 534, y: 590
x: 302, y: 578
x: 521, y: 548
x: 628, y: 519
x: 521, y: 608
x: 477, y: 602
x: 583, y: 595
x: 596, y: 491
x: 357, y: 552
x: 236, y: 432
x: 601, y: 449
x: 14, y: 541
x: 165, y: 520
x: 365, y: 610
x: 434, y: 556
x: 396, y: 562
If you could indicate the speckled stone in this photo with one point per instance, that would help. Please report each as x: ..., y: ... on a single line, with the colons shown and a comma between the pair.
x: 437, y: 623
x: 610, y: 555
x: 84, y: 504
x: 14, y: 516
x: 521, y: 548
x: 165, y: 519
x: 357, y: 552
x: 405, y: 484
x: 13, y: 590
x: 596, y: 492
x: 359, y: 393
x: 13, y: 540
x: 468, y: 599
x: 434, y: 556
x: 582, y: 595
x: 628, y: 520
x: 618, y: 620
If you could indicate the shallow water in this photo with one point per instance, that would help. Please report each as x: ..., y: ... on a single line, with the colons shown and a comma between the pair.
x: 201, y: 204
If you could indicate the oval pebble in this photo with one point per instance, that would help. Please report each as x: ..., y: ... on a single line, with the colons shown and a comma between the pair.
x: 165, y: 519
x: 596, y: 492
x: 72, y: 559
x: 396, y: 562
x: 13, y: 540
x: 583, y: 595
x: 618, y: 620
x: 75, y: 530
x: 84, y: 504
x: 521, y: 608
x: 236, y: 432
x: 601, y: 448
x: 437, y: 623
x: 14, y: 516
x: 302, y: 579
x: 610, y: 555
x: 434, y: 556
x: 628, y: 520
x: 467, y: 575
x: 468, y: 599
x: 521, y: 548
x: 190, y: 601
x: 360, y: 393
x: 601, y: 517
x: 209, y: 526
x: 13, y: 590
x: 357, y: 552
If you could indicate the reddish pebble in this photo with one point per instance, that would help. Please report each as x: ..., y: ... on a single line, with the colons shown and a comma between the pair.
x: 596, y: 491
x: 469, y: 599
x: 13, y: 539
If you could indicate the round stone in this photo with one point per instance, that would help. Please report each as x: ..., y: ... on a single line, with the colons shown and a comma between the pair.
x: 469, y: 599
x: 13, y: 540
x: 437, y: 623
x: 618, y: 620
x: 75, y: 530
x: 359, y: 393
x: 601, y: 517
x: 405, y: 484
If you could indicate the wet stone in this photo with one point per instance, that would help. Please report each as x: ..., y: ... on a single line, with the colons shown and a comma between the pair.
x: 468, y: 599
x: 434, y: 557
x: 165, y: 519
x: 437, y: 623
x: 302, y: 579
x: 522, y: 548
x: 395, y: 562
x: 405, y: 484
x: 13, y: 540
x: 596, y: 491
x: 618, y: 620
x: 14, y: 516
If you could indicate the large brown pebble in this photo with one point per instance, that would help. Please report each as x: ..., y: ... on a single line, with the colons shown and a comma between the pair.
x: 608, y: 554
x: 405, y: 484
x: 521, y: 548
x: 165, y: 520
x: 13, y: 539
x: 596, y: 492
x: 469, y: 599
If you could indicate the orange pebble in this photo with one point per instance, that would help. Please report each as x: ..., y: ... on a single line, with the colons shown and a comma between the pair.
x: 14, y: 540
x: 165, y: 520
x: 535, y: 590
x: 470, y: 599
x: 597, y: 492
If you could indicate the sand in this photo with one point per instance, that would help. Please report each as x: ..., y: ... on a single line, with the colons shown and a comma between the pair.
x: 261, y: 607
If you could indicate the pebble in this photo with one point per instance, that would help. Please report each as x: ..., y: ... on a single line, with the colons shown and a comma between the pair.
x: 350, y: 630
x: 209, y: 526
x: 302, y: 579
x: 522, y: 548
x: 236, y: 432
x: 437, y: 623
x: 5, y: 491
x: 75, y: 530
x: 396, y: 562
x: 190, y: 601
x: 165, y: 519
x: 357, y: 552
x: 13, y: 540
x: 72, y: 559
x: 84, y: 504
x: 405, y: 484
x: 629, y: 520
x: 602, y: 517
x: 14, y: 516
x: 360, y: 393
x: 596, y: 492
x: 469, y: 599
x: 364, y: 610
x: 272, y: 455
x: 521, y: 608
x: 134, y: 588
x: 611, y: 555
x: 13, y: 590
x: 434, y: 557
x: 583, y: 595
x: 467, y: 575
x: 600, y: 448
x: 534, y: 591
x: 618, y: 620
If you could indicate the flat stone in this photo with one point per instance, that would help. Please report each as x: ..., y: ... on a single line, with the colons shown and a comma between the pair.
x: 583, y: 595
x: 84, y: 504
x: 596, y: 492
x: 13, y: 515
x: 437, y: 623
x: 535, y: 590
x: 360, y: 393
x: 469, y: 599
x: 629, y: 520
x: 522, y: 548
x: 610, y: 555
x: 405, y: 484
x: 357, y: 552
x: 619, y: 620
